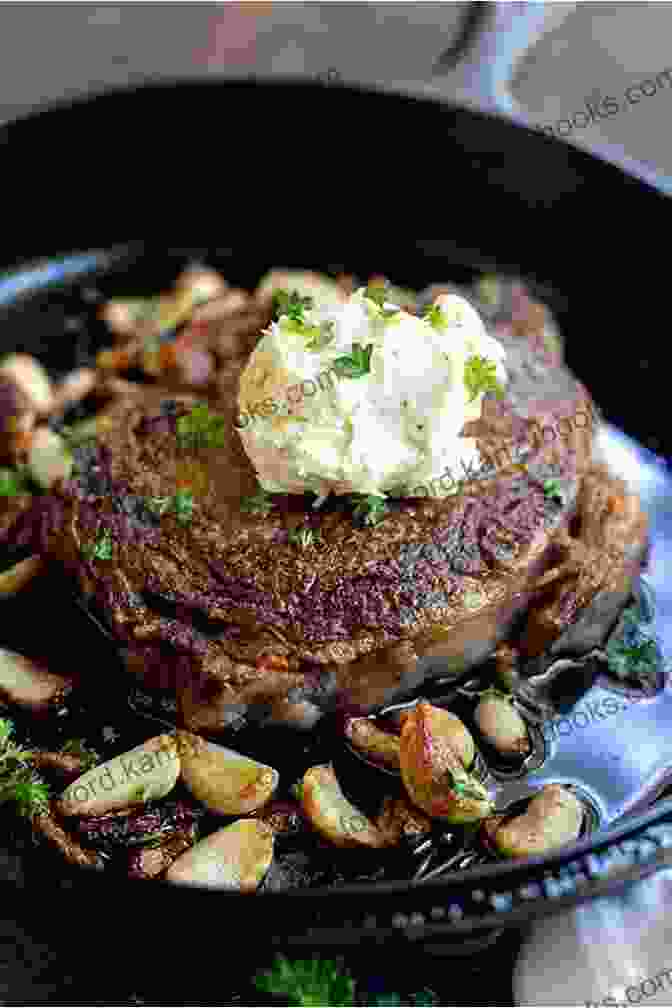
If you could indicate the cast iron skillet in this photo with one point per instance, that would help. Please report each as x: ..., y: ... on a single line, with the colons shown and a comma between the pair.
x: 506, y: 198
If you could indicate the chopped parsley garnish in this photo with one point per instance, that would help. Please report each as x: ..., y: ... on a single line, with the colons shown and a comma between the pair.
x: 292, y: 306
x: 19, y: 782
x: 101, y: 549
x: 328, y: 982
x: 480, y: 375
x: 8, y: 750
x: 370, y: 508
x: 636, y: 660
x: 436, y: 318
x: 553, y: 490
x: 380, y: 294
x: 634, y: 655
x: 303, y: 536
x: 308, y: 982
x: 261, y: 503
x: 30, y: 793
x: 181, y: 504
x: 355, y: 365
x: 201, y: 429
x: 12, y: 483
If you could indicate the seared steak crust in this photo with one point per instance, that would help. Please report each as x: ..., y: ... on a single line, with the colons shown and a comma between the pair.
x: 229, y: 611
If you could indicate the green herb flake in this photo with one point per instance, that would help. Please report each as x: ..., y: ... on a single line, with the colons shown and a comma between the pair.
x: 303, y: 536
x: 370, y: 508
x: 290, y: 305
x: 201, y: 429
x: 260, y: 503
x: 10, y: 752
x: 436, y: 318
x: 630, y: 662
x: 6, y: 729
x: 183, y: 506
x: 380, y: 295
x: 308, y: 982
x: 180, y: 504
x: 357, y: 364
x: 101, y: 549
x: 553, y: 490
x: 19, y: 783
x: 12, y: 483
x: 31, y: 794
x: 480, y: 376
x: 634, y: 655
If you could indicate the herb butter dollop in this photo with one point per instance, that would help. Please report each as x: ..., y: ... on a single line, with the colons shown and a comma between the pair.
x: 363, y: 397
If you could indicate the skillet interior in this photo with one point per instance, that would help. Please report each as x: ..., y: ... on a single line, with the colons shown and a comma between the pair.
x: 623, y: 761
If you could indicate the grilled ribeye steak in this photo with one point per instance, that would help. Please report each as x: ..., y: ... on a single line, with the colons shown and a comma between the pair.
x: 230, y: 610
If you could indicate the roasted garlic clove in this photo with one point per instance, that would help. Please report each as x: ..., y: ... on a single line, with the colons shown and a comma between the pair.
x: 29, y: 375
x: 148, y: 771
x: 433, y: 774
x: 27, y: 683
x: 332, y: 815
x: 225, y: 781
x: 22, y: 573
x: 501, y: 725
x: 443, y: 728
x: 122, y: 315
x: 49, y: 458
x: 553, y: 818
x: 236, y: 857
